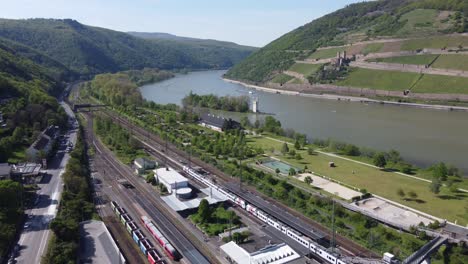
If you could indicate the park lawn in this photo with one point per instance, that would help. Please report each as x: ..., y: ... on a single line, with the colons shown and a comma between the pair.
x: 452, y: 61
x: 281, y: 78
x: 372, y: 48
x: 380, y: 80
x: 441, y: 84
x: 305, y: 68
x: 446, y: 205
x: 438, y: 42
x: 326, y: 53
x: 415, y: 59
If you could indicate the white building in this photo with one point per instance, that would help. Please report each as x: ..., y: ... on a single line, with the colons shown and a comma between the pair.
x: 273, y: 254
x: 170, y: 178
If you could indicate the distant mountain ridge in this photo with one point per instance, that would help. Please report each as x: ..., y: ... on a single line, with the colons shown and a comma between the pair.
x: 87, y: 50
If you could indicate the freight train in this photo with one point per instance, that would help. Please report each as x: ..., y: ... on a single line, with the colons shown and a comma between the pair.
x: 313, y: 246
x: 132, y: 228
x: 168, y: 248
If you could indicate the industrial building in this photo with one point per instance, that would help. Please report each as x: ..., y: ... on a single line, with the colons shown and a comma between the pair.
x: 143, y: 164
x: 170, y: 178
x: 272, y: 254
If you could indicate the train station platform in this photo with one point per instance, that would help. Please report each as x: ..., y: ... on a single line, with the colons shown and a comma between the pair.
x: 97, y: 245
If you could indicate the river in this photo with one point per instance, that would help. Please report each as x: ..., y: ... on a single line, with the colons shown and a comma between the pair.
x: 422, y: 136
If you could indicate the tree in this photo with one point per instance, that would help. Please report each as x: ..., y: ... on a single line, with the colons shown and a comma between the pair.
x: 440, y: 171
x: 310, y: 151
x: 292, y: 152
x: 284, y: 148
x: 351, y: 150
x: 298, y: 156
x: 292, y: 171
x: 401, y: 193
x: 308, y: 180
x: 204, y: 211
x: 379, y: 160
x: 297, y: 145
x: 277, y: 171
x: 394, y: 156
x: 412, y: 194
x: 434, y: 187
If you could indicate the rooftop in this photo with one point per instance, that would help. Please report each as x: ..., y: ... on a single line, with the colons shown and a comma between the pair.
x: 97, y: 245
x: 41, y: 143
x: 169, y: 175
x: 178, y: 205
x: 26, y: 168
x: 272, y: 254
x: 5, y: 169
x: 213, y: 120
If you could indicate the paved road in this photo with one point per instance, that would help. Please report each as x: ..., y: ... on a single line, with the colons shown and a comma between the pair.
x: 34, y: 239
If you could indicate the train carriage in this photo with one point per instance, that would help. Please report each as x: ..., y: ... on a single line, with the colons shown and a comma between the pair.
x: 154, y: 257
x: 145, y: 245
x: 172, y: 252
x: 125, y: 218
x: 262, y: 216
x: 114, y: 205
x: 137, y: 236
x: 120, y: 211
x: 131, y: 226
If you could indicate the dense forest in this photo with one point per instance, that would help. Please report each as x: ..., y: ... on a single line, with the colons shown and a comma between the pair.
x: 226, y: 103
x: 375, y: 18
x: 26, y: 104
x: 220, y: 54
x: 90, y: 50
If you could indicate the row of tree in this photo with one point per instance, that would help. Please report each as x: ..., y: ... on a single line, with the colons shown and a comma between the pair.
x: 76, y: 205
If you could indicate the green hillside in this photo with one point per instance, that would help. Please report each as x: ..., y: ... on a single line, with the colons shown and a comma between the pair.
x: 214, y: 52
x: 356, y: 22
x: 89, y: 50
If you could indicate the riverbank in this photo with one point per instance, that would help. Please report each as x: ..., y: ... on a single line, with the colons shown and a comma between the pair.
x: 348, y: 98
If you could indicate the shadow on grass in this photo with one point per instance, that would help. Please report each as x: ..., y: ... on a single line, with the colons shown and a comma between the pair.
x: 419, y: 201
x: 452, y: 197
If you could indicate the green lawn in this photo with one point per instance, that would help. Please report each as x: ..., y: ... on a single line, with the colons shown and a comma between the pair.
x: 305, y: 69
x: 326, y: 53
x: 380, y: 80
x: 416, y: 59
x: 435, y: 42
x: 297, y: 81
x: 281, y: 78
x: 452, y: 61
x: 441, y: 84
x: 372, y: 48
x: 445, y: 205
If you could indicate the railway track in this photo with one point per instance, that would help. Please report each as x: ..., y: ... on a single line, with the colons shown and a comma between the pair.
x: 189, y: 246
x: 348, y: 246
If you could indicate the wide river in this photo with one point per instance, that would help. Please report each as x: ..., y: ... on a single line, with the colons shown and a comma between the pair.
x: 422, y: 136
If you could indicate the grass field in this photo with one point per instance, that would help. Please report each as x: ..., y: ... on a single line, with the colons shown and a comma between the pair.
x: 445, y: 205
x: 297, y: 81
x: 326, y: 53
x: 441, y: 84
x: 305, y: 69
x: 435, y: 42
x: 380, y: 80
x: 419, y: 22
x: 452, y: 61
x: 372, y: 48
x: 281, y: 78
x: 416, y: 59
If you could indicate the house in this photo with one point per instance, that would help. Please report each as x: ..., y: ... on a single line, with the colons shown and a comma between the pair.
x: 218, y: 123
x: 26, y: 169
x: 143, y: 164
x: 5, y: 171
x: 43, y: 143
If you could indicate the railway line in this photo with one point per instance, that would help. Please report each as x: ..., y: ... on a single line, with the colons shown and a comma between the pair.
x: 281, y: 212
x: 190, y: 247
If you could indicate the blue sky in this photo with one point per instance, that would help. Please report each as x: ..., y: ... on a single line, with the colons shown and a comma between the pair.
x: 249, y: 22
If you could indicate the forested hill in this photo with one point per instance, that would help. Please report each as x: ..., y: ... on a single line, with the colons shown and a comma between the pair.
x: 356, y: 22
x: 222, y: 53
x: 90, y: 50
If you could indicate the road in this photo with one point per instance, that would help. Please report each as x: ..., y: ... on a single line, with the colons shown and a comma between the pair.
x: 34, y: 239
